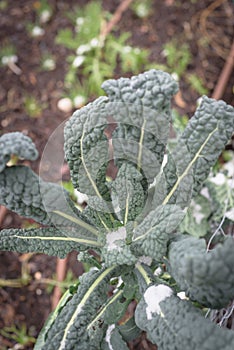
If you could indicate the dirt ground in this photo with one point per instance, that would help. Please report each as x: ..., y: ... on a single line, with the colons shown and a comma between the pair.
x: 205, y: 26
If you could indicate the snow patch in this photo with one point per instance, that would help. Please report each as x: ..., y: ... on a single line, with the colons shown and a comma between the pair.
x: 81, y: 197
x: 37, y: 31
x: 229, y: 166
x: 165, y: 159
x: 158, y: 271
x: 182, y: 296
x: 45, y: 16
x: 108, y: 335
x: 79, y: 101
x: 219, y: 179
x: 120, y: 282
x: 197, y: 210
x: 153, y: 296
x: 230, y: 183
x: 230, y: 214
x: 9, y: 59
x: 205, y: 193
x: 113, y: 237
x: 78, y: 61
x: 80, y: 21
x: 147, y: 260
x: 94, y: 42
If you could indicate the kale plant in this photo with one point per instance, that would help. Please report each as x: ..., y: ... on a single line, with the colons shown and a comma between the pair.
x: 129, y: 231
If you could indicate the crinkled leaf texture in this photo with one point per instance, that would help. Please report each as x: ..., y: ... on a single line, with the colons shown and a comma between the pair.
x: 63, y: 301
x: 141, y: 108
x: 197, y: 150
x: 207, y: 277
x: 86, y: 147
x: 48, y: 240
x: 127, y: 193
x: 141, y: 105
x: 151, y: 236
x: 175, y: 324
x: 70, y: 329
x: 20, y: 192
x: 16, y: 143
x: 115, y: 250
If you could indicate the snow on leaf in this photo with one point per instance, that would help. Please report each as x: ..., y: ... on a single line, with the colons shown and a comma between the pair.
x: 153, y: 296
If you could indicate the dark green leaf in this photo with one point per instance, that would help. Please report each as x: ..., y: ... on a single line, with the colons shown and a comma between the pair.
x: 127, y: 193
x: 86, y: 147
x: 113, y: 340
x: 49, y: 240
x: 207, y: 277
x: 176, y: 324
x: 41, y: 339
x: 150, y: 237
x: 197, y: 150
x: 129, y: 330
x: 70, y: 329
x: 22, y: 191
x: 141, y: 108
x: 16, y: 143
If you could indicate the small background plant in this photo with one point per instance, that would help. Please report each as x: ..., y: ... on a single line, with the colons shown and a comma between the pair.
x: 95, y: 56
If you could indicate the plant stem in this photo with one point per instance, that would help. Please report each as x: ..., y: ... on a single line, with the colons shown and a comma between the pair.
x: 61, y: 268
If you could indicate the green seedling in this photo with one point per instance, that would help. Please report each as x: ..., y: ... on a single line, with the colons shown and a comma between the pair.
x: 20, y: 335
x: 142, y: 9
x: 197, y: 84
x: 94, y: 57
x: 32, y: 107
x: 177, y: 56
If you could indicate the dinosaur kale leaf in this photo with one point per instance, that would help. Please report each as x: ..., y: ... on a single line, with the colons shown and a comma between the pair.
x: 140, y: 106
x: 20, y: 192
x: 176, y: 324
x: 73, y: 326
x: 49, y: 240
x: 197, y: 150
x: 18, y: 144
x: 113, y: 340
x: 127, y: 193
x: 150, y: 238
x: 52, y: 317
x: 86, y: 145
x: 201, y: 274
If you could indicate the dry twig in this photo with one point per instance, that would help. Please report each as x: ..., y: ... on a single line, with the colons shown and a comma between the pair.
x: 224, y: 76
x: 3, y: 212
x: 115, y: 19
x: 61, y: 269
